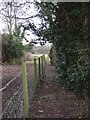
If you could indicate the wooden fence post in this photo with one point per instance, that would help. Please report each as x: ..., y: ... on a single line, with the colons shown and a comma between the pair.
x: 39, y: 69
x: 42, y: 64
x: 35, y: 74
x: 44, y: 59
x: 25, y: 90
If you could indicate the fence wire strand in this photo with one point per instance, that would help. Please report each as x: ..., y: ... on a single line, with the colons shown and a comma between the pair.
x: 15, y: 106
x: 15, y: 103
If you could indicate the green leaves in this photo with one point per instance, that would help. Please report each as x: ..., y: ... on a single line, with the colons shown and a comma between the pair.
x: 12, y: 46
x: 28, y: 47
x: 68, y: 32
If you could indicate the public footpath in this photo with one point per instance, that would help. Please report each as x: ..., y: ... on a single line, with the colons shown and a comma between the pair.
x: 53, y: 101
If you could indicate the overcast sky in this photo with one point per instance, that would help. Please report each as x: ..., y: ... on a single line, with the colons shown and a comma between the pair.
x: 30, y: 12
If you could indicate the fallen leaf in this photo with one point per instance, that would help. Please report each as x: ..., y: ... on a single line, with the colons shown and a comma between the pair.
x: 41, y: 111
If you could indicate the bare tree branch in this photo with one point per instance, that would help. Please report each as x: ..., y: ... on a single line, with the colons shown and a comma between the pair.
x: 24, y: 18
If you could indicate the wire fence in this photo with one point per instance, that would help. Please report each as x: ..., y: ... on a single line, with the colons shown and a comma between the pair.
x: 15, y: 107
x: 10, y: 82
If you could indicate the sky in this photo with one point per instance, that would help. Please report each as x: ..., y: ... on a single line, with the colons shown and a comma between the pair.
x: 31, y: 11
x: 2, y: 26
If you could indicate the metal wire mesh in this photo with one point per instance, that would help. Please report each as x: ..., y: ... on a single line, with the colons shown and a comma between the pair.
x: 30, y: 82
x: 15, y: 106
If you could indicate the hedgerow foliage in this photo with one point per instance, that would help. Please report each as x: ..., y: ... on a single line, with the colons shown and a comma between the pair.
x: 12, y: 48
x: 67, y: 28
x: 73, y: 43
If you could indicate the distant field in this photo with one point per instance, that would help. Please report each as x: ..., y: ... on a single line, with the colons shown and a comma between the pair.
x: 30, y: 56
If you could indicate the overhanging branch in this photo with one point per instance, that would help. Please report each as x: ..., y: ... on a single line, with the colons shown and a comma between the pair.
x: 22, y: 18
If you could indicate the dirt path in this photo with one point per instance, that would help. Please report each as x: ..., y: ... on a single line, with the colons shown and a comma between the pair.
x: 53, y: 101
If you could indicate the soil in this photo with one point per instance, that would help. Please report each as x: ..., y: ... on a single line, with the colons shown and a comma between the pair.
x: 52, y: 101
